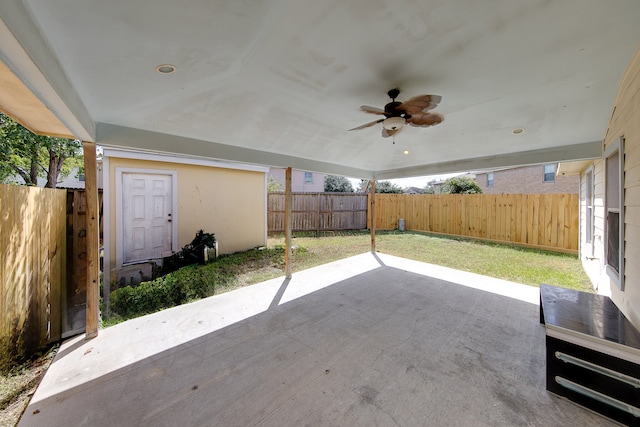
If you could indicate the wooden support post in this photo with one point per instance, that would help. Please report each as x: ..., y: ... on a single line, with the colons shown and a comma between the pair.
x: 93, y: 239
x: 372, y: 195
x: 318, y: 218
x: 287, y: 223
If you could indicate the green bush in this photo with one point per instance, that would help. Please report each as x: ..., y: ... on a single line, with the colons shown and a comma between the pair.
x: 190, y: 283
x: 193, y: 253
x: 460, y: 185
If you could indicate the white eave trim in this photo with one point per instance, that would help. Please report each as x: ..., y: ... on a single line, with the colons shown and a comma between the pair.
x: 142, y: 155
x: 25, y: 55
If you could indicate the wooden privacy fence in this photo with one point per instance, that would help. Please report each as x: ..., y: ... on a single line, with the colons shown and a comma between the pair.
x: 32, y: 266
x: 546, y: 221
x: 318, y: 211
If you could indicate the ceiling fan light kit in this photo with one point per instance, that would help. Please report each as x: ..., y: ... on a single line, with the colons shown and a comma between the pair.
x: 394, y: 123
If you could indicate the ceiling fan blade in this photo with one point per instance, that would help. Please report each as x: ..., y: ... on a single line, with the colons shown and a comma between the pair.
x: 420, y: 103
x: 386, y: 133
x: 426, y: 119
x: 372, y: 110
x: 366, y: 125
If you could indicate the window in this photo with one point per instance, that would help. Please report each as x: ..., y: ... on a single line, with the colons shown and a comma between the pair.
x: 588, y: 199
x: 549, y: 172
x: 490, y: 179
x: 614, y: 211
x: 308, y: 177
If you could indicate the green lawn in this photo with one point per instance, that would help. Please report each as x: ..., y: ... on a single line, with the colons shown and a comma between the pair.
x: 517, y: 264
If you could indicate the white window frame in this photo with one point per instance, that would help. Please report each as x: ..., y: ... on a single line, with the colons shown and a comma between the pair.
x: 616, y: 276
x: 490, y: 178
x: 589, y: 212
x: 308, y: 177
x: 544, y: 172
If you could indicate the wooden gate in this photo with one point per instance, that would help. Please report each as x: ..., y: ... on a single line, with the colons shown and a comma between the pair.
x: 75, y: 296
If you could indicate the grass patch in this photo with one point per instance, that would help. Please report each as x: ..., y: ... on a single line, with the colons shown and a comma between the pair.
x: 197, y: 281
x: 507, y: 262
x: 513, y: 263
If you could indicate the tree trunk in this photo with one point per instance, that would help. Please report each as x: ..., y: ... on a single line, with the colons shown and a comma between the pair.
x: 33, y: 168
x: 55, y: 166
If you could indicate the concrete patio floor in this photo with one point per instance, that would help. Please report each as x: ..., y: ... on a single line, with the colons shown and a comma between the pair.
x: 372, y: 340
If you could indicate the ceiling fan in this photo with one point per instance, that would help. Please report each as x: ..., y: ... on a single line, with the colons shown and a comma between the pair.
x: 415, y: 111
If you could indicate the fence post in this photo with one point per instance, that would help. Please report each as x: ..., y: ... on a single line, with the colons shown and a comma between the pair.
x: 287, y: 223
x: 93, y: 239
x: 317, y: 214
x: 372, y: 194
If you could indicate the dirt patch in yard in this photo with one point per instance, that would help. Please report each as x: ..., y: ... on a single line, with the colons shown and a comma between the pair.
x: 17, y: 387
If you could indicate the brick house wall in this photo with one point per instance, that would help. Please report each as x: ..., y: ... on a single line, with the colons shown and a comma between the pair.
x: 527, y: 180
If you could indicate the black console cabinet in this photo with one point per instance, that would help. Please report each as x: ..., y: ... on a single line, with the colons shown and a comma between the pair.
x: 593, y: 353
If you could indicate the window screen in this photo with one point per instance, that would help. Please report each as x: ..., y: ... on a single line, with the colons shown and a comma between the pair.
x: 613, y: 241
x: 588, y: 196
x: 550, y: 172
x: 614, y: 211
x: 490, y: 179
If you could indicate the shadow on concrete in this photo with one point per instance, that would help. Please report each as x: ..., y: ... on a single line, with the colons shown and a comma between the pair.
x: 278, y: 297
x: 377, y: 258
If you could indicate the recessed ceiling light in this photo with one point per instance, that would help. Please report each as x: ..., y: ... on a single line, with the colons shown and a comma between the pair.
x: 165, y: 68
x: 517, y: 131
x: 405, y: 152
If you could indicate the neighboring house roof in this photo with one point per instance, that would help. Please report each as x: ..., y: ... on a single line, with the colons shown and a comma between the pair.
x: 413, y: 190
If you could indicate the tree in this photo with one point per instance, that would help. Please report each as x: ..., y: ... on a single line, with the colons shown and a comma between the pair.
x: 30, y: 156
x: 274, y: 186
x: 460, y: 185
x: 337, y: 184
x: 429, y: 188
x: 388, y: 187
x: 381, y: 187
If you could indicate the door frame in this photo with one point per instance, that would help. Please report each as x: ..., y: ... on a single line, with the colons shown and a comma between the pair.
x: 118, y: 202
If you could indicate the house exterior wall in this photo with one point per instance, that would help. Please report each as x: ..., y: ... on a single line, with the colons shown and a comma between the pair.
x: 527, y: 180
x: 227, y: 202
x: 625, y: 121
x: 298, y: 183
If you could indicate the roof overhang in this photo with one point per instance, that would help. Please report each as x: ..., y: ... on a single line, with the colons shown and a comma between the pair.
x: 279, y: 83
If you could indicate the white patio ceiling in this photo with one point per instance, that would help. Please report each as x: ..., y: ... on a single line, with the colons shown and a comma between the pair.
x: 280, y: 82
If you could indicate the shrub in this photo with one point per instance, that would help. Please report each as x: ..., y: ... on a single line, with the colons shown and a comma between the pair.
x: 193, y: 253
x: 191, y: 282
x: 460, y: 185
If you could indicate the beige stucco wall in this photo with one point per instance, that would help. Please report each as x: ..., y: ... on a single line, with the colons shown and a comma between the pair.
x: 625, y: 121
x: 229, y: 203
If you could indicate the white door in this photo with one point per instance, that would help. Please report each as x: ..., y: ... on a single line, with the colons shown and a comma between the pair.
x: 146, y: 216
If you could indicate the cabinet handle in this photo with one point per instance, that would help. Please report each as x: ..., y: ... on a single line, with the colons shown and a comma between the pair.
x: 635, y: 382
x: 608, y: 400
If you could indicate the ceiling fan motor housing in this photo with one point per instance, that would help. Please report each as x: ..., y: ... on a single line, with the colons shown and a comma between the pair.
x: 391, y: 109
